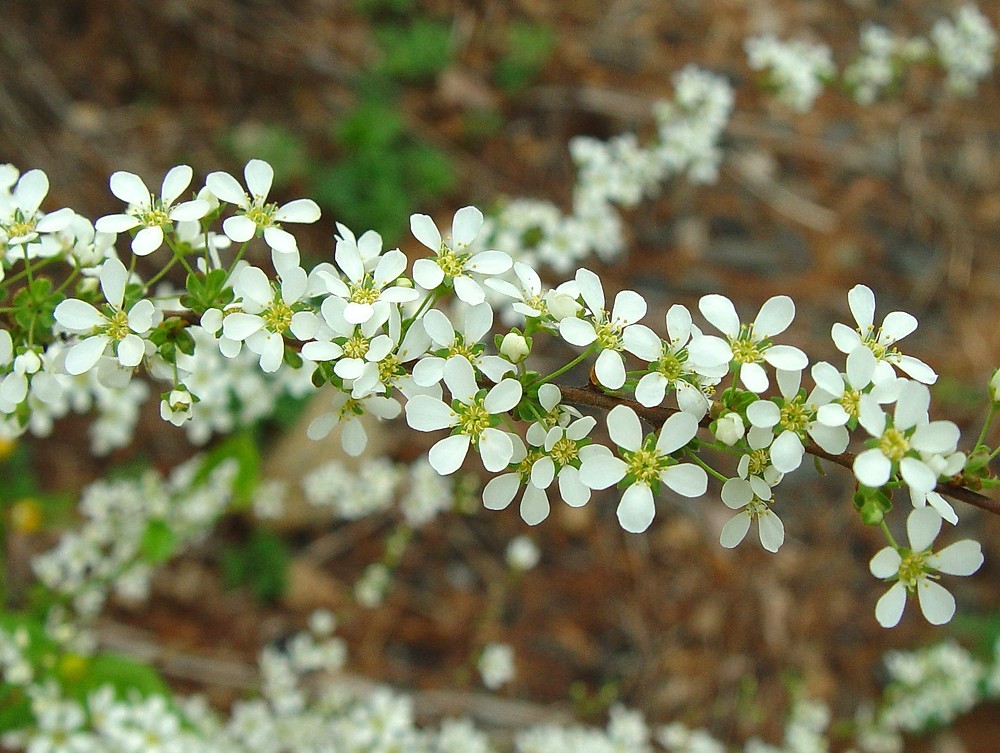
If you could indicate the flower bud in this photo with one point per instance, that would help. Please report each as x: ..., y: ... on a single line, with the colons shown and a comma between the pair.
x: 175, y: 406
x: 561, y: 305
x: 515, y: 348
x: 729, y: 429
x: 995, y: 388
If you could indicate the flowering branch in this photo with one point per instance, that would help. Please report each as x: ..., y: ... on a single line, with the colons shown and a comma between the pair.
x: 594, y: 398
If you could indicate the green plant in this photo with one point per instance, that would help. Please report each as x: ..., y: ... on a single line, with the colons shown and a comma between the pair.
x: 528, y: 48
x: 260, y: 564
x: 383, y: 174
x: 415, y: 52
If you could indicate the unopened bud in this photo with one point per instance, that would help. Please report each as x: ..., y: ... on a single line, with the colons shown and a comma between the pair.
x: 515, y: 347
x: 561, y: 305
x: 995, y: 388
x: 729, y: 429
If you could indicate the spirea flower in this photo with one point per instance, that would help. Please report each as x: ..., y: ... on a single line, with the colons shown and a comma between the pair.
x: 645, y: 463
x: 367, y: 288
x: 751, y: 343
x: 881, y: 340
x: 680, y: 364
x: 751, y: 495
x: 500, y: 491
x: 121, y: 330
x: 607, y: 332
x: 496, y: 665
x: 21, y: 220
x: 149, y: 213
x: 473, y: 415
x: 904, y: 442
x: 255, y: 213
x: 452, y: 263
x: 916, y: 570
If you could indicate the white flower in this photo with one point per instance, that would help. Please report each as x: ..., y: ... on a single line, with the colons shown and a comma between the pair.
x: 522, y: 553
x: 453, y: 265
x: 881, y: 341
x: 120, y: 329
x: 750, y: 494
x: 255, y: 213
x: 367, y: 288
x: 175, y: 406
x: 610, y: 333
x: 645, y: 463
x: 796, y: 68
x: 514, y: 347
x: 149, y: 213
x: 348, y: 411
x: 994, y: 387
x: 474, y: 415
x: 359, y: 349
x: 21, y: 222
x: 496, y: 665
x: 682, y: 364
x: 906, y: 442
x: 566, y: 449
x: 751, y: 343
x: 501, y: 490
x: 916, y: 570
x: 793, y: 417
x: 466, y: 344
x: 267, y: 314
x: 729, y: 428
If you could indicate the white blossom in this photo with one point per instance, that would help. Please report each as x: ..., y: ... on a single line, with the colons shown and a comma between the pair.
x: 916, y: 570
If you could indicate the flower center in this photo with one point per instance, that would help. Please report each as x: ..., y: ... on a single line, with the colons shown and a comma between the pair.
x: 117, y: 327
x: 261, y: 214
x: 21, y: 228
x: 361, y: 294
x: 851, y: 402
x: 671, y: 366
x: 469, y: 352
x: 912, y: 568
x: 389, y: 368
x: 883, y: 352
x: 759, y: 461
x: 565, y: 451
x: 356, y: 347
x: 524, y: 467
x: 609, y: 335
x: 473, y: 419
x: 745, y: 350
x: 894, y: 444
x: 794, y: 417
x: 152, y: 216
x: 645, y: 466
x: 451, y: 264
x: 277, y: 316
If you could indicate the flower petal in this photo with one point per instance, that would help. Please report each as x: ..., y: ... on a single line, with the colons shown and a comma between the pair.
x: 937, y: 604
x: 625, y: 428
x: 636, y: 509
x: 889, y: 608
x: 448, y: 454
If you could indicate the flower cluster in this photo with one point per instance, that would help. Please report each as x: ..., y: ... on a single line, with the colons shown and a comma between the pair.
x: 797, y: 69
x: 380, y: 337
x: 966, y: 48
x: 881, y: 62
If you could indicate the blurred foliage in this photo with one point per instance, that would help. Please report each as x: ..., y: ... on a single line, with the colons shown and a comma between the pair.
x: 414, y: 52
x: 384, y: 173
x: 528, y: 48
x: 260, y: 564
x: 78, y: 676
x: 286, y: 151
x: 384, y: 7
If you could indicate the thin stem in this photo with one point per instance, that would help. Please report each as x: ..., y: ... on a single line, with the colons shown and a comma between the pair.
x: 560, y: 371
x: 888, y: 534
x: 709, y: 469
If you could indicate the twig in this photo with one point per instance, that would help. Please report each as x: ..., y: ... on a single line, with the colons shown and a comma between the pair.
x: 656, y: 416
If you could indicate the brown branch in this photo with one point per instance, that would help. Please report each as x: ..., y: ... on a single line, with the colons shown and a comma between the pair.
x: 595, y: 399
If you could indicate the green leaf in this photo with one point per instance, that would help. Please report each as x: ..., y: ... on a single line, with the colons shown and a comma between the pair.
x: 158, y: 542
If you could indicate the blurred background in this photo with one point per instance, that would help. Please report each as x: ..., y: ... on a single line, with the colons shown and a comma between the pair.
x: 380, y: 108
